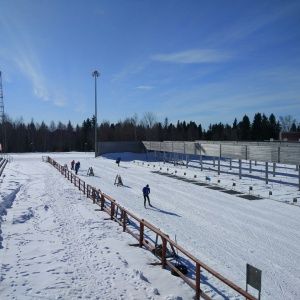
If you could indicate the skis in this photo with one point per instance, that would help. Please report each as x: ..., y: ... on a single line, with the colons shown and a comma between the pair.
x: 151, y: 206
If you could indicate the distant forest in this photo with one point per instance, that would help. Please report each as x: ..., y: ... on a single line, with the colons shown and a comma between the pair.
x: 16, y: 136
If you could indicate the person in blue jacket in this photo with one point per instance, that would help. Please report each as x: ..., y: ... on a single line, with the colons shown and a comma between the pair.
x: 77, y: 166
x: 146, y: 192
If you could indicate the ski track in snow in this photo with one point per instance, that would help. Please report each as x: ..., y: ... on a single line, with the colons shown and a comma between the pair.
x: 223, y: 231
x: 91, y: 264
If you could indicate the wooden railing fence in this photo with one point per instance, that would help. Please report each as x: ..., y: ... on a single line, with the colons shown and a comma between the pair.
x: 139, y: 232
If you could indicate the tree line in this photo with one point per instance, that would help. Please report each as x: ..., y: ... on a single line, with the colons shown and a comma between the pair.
x: 16, y: 136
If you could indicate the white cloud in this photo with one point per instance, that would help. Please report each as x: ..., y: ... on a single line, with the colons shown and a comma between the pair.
x: 27, y: 66
x: 59, y: 102
x: 129, y: 70
x: 21, y: 52
x: 59, y: 97
x: 197, y: 56
x: 145, y: 87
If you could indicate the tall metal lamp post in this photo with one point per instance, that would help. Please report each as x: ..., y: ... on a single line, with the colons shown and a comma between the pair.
x: 96, y: 74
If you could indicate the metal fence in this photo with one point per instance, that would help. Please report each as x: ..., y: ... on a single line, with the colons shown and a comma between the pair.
x: 278, y: 152
x: 267, y: 152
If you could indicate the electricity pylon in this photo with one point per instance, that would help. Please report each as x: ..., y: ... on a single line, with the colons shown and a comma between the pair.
x: 1, y: 101
x: 2, y: 118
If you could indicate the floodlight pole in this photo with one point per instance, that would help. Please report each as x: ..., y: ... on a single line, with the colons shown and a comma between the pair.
x: 96, y: 74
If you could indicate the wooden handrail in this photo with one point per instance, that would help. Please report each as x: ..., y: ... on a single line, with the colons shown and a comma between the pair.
x: 106, y: 201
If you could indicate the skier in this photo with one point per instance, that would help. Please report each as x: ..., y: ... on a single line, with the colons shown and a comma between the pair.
x: 77, y: 166
x: 72, y: 164
x: 118, y: 161
x: 146, y: 192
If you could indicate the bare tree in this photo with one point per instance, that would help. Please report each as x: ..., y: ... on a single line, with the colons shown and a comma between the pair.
x: 149, y: 119
x: 286, y: 122
x: 148, y: 123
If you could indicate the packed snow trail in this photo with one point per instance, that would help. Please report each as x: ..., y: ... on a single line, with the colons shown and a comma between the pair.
x: 53, y: 238
x: 56, y: 246
x: 224, y: 231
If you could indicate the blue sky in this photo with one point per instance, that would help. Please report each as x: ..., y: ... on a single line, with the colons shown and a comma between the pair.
x: 189, y: 60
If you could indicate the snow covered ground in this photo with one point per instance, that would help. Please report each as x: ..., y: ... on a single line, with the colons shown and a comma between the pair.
x: 55, y: 244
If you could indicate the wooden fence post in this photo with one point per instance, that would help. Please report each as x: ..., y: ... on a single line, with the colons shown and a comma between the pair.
x: 94, y: 196
x: 112, y: 210
x: 197, y: 281
x: 164, y: 253
x: 141, y: 234
x: 124, y: 216
x: 102, y: 202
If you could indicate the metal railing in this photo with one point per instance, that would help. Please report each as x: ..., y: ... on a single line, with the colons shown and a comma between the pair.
x: 268, y: 152
x: 271, y: 152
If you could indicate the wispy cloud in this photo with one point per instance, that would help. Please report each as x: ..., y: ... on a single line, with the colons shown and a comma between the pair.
x: 58, y: 96
x: 144, y: 87
x: 129, y: 70
x: 22, y: 54
x: 196, y: 56
x: 28, y: 63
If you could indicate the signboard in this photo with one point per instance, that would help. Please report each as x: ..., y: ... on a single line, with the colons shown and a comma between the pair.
x: 253, y: 278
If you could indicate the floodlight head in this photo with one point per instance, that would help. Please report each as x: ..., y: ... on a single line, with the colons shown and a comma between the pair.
x: 96, y: 74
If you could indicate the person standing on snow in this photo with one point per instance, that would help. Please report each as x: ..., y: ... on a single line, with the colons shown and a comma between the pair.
x: 72, y: 164
x: 77, y: 166
x: 146, y: 192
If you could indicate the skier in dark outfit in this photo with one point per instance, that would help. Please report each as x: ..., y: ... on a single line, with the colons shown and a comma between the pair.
x: 146, y: 192
x: 77, y: 166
